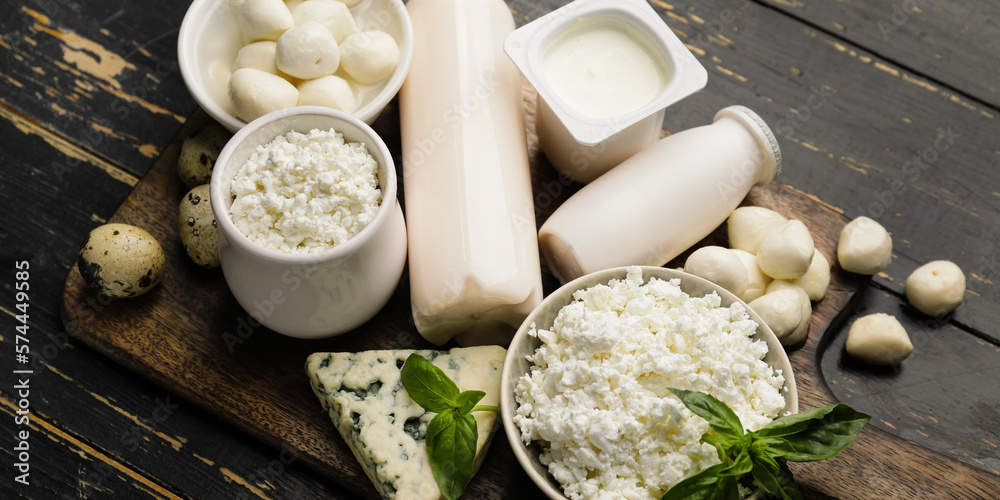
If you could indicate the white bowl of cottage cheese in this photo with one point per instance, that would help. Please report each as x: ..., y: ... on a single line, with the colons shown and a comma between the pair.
x: 585, y: 402
x: 312, y: 238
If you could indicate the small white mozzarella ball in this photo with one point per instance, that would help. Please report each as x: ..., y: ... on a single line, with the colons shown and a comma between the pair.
x: 257, y: 55
x: 936, y: 287
x: 781, y: 310
x: 757, y: 280
x: 720, y: 266
x: 264, y: 19
x: 255, y: 93
x: 332, y: 14
x: 292, y: 5
x: 370, y: 56
x: 865, y: 247
x: 330, y: 91
x: 307, y: 51
x: 805, y: 306
x: 817, y: 278
x: 786, y: 251
x: 748, y: 225
x: 878, y: 339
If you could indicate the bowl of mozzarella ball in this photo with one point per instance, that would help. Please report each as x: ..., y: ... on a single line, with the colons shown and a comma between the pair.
x: 242, y: 59
x: 586, y: 403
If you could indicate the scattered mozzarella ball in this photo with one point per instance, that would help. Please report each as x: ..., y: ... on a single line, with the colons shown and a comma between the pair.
x: 292, y: 5
x: 120, y: 260
x: 255, y: 93
x: 198, y: 155
x: 936, y: 287
x: 802, y: 330
x: 330, y: 91
x: 264, y: 19
x: 786, y: 251
x: 748, y: 225
x: 369, y: 56
x: 198, y: 228
x: 757, y: 281
x: 332, y: 14
x: 781, y: 311
x: 878, y: 339
x: 817, y: 278
x: 865, y: 247
x: 720, y: 266
x: 307, y: 51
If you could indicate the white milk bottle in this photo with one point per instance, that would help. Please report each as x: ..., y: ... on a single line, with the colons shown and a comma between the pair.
x: 662, y: 200
x: 473, y: 247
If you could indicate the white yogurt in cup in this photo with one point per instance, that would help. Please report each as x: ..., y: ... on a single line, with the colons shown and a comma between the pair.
x: 601, y: 70
x: 604, y: 70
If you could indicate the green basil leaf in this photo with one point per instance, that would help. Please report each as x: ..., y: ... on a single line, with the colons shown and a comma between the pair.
x: 468, y: 399
x: 451, y: 445
x: 813, y: 435
x: 706, y: 484
x: 720, y: 444
x: 741, y: 465
x: 775, y: 478
x: 427, y: 385
x: 720, y: 418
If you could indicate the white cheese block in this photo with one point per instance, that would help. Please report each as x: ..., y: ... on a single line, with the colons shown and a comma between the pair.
x: 385, y: 429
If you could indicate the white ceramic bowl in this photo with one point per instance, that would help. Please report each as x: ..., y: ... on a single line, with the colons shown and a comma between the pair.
x: 210, y: 37
x: 319, y: 294
x: 543, y: 316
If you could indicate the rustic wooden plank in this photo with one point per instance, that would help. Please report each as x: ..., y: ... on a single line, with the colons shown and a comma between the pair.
x: 102, y: 74
x: 62, y: 466
x: 53, y: 194
x: 947, y: 42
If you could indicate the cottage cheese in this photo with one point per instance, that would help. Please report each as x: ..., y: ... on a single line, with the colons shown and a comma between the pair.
x: 303, y: 193
x: 597, y: 400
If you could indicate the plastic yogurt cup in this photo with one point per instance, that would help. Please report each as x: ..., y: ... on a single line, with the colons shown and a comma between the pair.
x: 604, y: 71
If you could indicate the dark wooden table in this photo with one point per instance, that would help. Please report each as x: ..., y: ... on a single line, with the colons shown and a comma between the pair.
x: 885, y: 109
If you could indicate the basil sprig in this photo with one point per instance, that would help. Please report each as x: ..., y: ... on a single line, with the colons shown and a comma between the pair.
x: 804, y: 437
x: 452, y: 434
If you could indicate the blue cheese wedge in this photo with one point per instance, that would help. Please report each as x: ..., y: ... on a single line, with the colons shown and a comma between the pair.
x: 385, y: 429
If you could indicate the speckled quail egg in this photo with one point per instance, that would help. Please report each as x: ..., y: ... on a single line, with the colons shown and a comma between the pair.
x: 120, y: 260
x: 198, y: 227
x: 198, y: 155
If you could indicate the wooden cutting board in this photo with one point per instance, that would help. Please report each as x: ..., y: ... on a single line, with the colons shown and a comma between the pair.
x: 190, y: 336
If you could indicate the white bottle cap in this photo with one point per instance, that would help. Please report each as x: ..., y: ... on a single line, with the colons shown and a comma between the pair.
x: 528, y: 45
x: 765, y: 138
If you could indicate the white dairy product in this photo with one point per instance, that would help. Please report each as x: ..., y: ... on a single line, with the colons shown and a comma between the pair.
x: 473, y: 249
x: 369, y: 56
x: 864, y: 247
x: 597, y: 396
x: 330, y: 91
x: 307, y: 51
x: 257, y: 55
x: 264, y: 19
x: 599, y: 68
x: 332, y: 14
x: 663, y: 199
x: 304, y: 193
x: 936, y: 287
x: 255, y: 93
